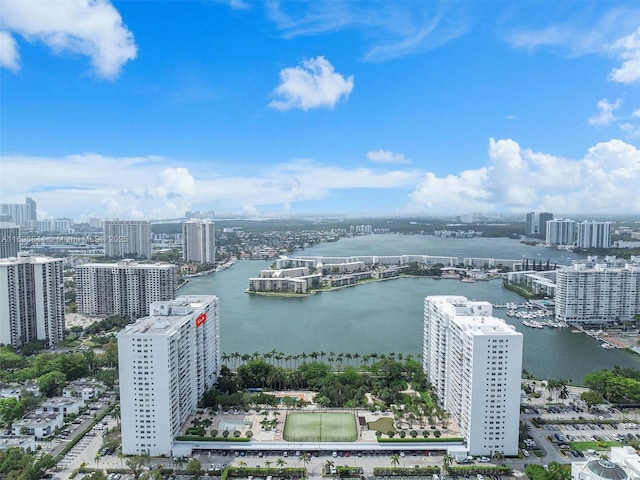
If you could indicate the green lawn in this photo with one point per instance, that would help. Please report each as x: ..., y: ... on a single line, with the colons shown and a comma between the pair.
x: 582, y: 446
x: 382, y: 425
x: 320, y: 427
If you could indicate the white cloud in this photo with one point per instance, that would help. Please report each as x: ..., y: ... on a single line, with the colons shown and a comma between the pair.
x: 386, y: 156
x: 315, y: 84
x: 627, y: 49
x: 390, y: 29
x: 8, y: 52
x: 605, y: 112
x: 605, y: 180
x: 92, y: 28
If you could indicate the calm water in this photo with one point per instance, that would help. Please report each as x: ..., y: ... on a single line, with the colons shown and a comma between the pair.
x: 386, y: 317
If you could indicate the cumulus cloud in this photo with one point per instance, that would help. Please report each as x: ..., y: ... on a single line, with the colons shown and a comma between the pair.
x: 605, y: 180
x: 91, y: 28
x: 314, y: 84
x: 605, y: 112
x: 8, y: 52
x: 627, y: 49
x: 386, y: 156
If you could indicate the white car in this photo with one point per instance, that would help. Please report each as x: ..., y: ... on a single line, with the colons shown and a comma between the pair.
x: 484, y: 459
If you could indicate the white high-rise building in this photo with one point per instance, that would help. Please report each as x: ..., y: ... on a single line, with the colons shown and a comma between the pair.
x: 561, y: 232
x: 127, y: 238
x: 9, y: 240
x: 594, y: 234
x: 167, y: 361
x: 31, y: 300
x: 124, y: 288
x: 474, y: 361
x: 598, y: 292
x: 199, y: 241
x: 22, y: 214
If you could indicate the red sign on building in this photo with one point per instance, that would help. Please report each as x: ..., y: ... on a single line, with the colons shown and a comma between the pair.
x: 201, y: 319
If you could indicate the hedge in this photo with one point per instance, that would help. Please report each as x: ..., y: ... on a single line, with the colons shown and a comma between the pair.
x: 193, y: 438
x: 420, y: 440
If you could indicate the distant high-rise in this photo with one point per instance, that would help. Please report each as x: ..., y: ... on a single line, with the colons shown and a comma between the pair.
x: 127, y: 238
x: 22, y: 214
x: 199, y: 241
x: 536, y: 224
x: 125, y: 288
x: 31, y: 300
x: 473, y: 361
x: 9, y: 240
x: 530, y: 224
x: 167, y: 361
x: 543, y: 220
x: 593, y: 234
x: 561, y: 232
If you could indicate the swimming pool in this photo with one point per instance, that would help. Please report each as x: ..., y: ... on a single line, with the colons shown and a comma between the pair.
x: 235, y: 424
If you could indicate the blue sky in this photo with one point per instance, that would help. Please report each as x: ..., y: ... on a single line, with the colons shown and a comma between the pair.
x: 145, y: 109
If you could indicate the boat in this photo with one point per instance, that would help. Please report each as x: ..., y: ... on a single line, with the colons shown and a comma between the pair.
x: 468, y: 280
x: 608, y: 346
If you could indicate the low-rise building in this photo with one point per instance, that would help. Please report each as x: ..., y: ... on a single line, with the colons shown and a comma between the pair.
x: 40, y: 425
x: 85, y: 390
x: 25, y: 442
x: 623, y: 464
x: 64, y: 405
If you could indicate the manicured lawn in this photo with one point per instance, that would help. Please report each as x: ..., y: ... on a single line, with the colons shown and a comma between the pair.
x: 582, y: 446
x: 382, y: 425
x: 320, y: 427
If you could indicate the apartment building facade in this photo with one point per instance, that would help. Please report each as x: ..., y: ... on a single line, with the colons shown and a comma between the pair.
x: 598, y: 291
x: 31, y: 300
x: 199, y: 241
x: 167, y: 361
x: 473, y: 361
x: 127, y: 238
x: 125, y: 288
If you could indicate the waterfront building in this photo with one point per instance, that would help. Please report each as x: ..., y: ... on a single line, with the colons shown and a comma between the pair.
x: 127, y: 238
x: 167, y: 361
x: 22, y: 214
x: 199, y: 241
x: 561, y: 232
x: 540, y: 283
x: 9, y: 240
x: 291, y: 280
x: 543, y: 219
x: 31, y: 300
x: 125, y: 288
x: 55, y: 225
x: 473, y: 361
x: 598, y: 291
x: 593, y: 234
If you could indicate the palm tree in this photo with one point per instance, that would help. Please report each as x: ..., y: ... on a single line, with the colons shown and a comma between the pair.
x: 268, y: 463
x: 395, y: 460
x: 97, y: 459
x: 304, y: 458
x: 498, y: 456
x: 115, y: 413
x: 280, y: 463
x: 242, y: 464
x: 446, y: 461
x: 180, y: 462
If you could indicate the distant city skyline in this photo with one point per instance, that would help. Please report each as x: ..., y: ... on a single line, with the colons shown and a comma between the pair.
x: 318, y: 108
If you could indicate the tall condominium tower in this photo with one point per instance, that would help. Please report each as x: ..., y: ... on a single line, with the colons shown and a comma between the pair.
x: 543, y: 219
x: 22, y: 214
x: 530, y: 224
x: 561, y: 232
x: 199, y: 241
x: 167, y: 361
x: 593, y: 234
x: 31, y: 300
x: 598, y: 292
x: 127, y: 238
x: 474, y: 361
x: 9, y: 240
x: 124, y: 288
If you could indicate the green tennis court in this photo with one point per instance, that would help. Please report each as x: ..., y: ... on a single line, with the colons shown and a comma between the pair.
x: 320, y: 427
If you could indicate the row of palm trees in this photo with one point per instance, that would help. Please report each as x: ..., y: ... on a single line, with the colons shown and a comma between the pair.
x: 292, y: 361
